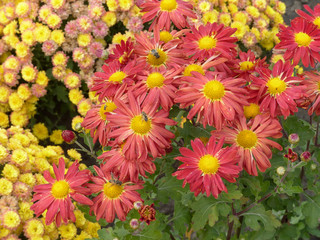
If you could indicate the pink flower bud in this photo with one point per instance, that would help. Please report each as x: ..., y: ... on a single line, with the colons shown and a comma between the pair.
x: 137, y: 205
x: 69, y: 136
x: 134, y: 223
x: 305, y: 156
x: 293, y: 138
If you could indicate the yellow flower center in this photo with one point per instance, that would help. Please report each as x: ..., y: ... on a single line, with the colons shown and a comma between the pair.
x: 246, y: 65
x: 140, y: 124
x: 165, y: 36
x: 112, y: 190
x: 318, y: 85
x: 193, y: 67
x: 117, y: 77
x: 276, y: 86
x: 207, y: 43
x: 251, y: 111
x: 60, y: 189
x: 157, y: 57
x: 213, y: 90
x: 107, y: 107
x: 302, y: 39
x: 209, y: 164
x: 155, y: 80
x: 168, y: 5
x: 247, y: 139
x: 317, y: 22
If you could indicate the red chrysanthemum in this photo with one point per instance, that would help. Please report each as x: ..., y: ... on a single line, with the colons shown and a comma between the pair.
x: 215, y: 98
x: 315, y: 14
x: 301, y: 41
x: 122, y: 52
x: 312, y: 83
x: 107, y: 83
x: 277, y: 89
x: 157, y: 85
x: 155, y: 53
x: 115, y: 197
x: 165, y: 11
x: 56, y: 195
x: 205, y: 166
x: 141, y: 127
x: 208, y: 40
x: 251, y: 141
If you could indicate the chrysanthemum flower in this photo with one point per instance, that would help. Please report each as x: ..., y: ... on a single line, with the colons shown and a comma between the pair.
x: 277, y: 90
x: 114, y: 75
x: 205, y: 166
x: 215, y: 98
x: 209, y: 40
x: 56, y: 195
x: 71, y: 29
x: 312, y: 83
x: 156, y: 53
x: 33, y: 228
x: 157, y: 86
x: 251, y: 141
x: 10, y: 219
x: 100, y: 29
x: 315, y: 14
x: 38, y: 90
x: 165, y: 11
x: 122, y: 52
x: 301, y: 41
x: 141, y: 127
x: 115, y: 197
x: 84, y: 24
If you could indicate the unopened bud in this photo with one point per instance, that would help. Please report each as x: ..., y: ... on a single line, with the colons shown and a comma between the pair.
x: 305, y: 156
x: 281, y: 170
x: 69, y: 136
x: 134, y: 223
x: 313, y: 166
x: 291, y: 155
x: 293, y: 138
x: 78, y: 127
x: 137, y: 205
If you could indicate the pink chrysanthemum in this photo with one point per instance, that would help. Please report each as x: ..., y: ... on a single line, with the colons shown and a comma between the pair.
x: 312, y: 83
x: 208, y: 40
x: 84, y: 24
x: 71, y: 29
x: 251, y: 141
x: 215, y: 98
x: 96, y: 10
x: 315, y: 14
x: 205, y: 166
x: 156, y: 53
x: 114, y: 75
x: 49, y: 47
x: 115, y: 197
x: 135, y: 24
x: 56, y: 195
x: 157, y: 86
x: 141, y: 127
x: 165, y: 11
x: 100, y: 29
x: 96, y: 49
x: 38, y: 90
x: 301, y: 41
x: 277, y: 89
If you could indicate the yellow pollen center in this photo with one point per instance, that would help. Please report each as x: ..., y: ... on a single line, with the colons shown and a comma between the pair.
x: 112, y: 190
x: 302, y: 39
x: 193, y: 68
x: 318, y: 85
x: 247, y: 139
x: 317, y: 21
x: 60, y: 189
x: 207, y: 43
x: 251, y: 111
x: 139, y: 125
x: 276, y: 86
x: 155, y: 80
x: 168, y: 5
x: 117, y: 77
x: 165, y: 36
x: 213, y: 90
x: 157, y: 59
x: 246, y: 65
x: 209, y: 164
x: 107, y: 107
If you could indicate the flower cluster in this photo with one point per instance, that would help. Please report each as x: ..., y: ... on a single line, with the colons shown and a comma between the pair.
x: 25, y: 165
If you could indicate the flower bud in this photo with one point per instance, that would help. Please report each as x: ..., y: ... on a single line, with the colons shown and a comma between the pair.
x: 78, y: 127
x: 293, y: 138
x: 305, y: 156
x: 137, y: 205
x: 134, y: 223
x: 281, y: 170
x: 291, y: 155
x: 313, y: 166
x: 69, y: 136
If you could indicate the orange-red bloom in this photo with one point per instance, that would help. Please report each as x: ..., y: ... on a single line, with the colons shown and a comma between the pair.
x: 205, y: 166
x: 315, y: 15
x: 115, y: 196
x: 312, y: 83
x: 251, y: 141
x: 56, y: 195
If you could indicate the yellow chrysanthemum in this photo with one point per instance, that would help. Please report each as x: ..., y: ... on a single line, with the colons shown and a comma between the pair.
x: 68, y: 231
x: 84, y: 39
x: 19, y: 157
x: 34, y: 228
x: 42, y: 164
x: 15, y: 102
x: 53, y: 20
x: 225, y: 19
x: 112, y: 5
x: 4, y: 120
x: 10, y: 219
x: 125, y: 5
x: 42, y: 33
x: 74, y: 154
x: 241, y: 29
x: 24, y: 211
x: 22, y: 49
x: 117, y: 38
x: 11, y: 63
x: 24, y: 92
x: 110, y: 18
x: 42, y: 79
x: 25, y: 23
x: 11, y: 172
x: 57, y: 36
x: 3, y: 151
x: 19, y: 119
x: 210, y: 16
x: 40, y: 131
x: 240, y: 17
x: 92, y: 228
x: 80, y: 219
x: 82, y: 236
x: 27, y: 37
x: 4, y: 94
x: 22, y: 8
x: 6, y: 187
x: 84, y: 106
x: 56, y: 137
x: 27, y: 178
x: 75, y: 121
x: 253, y: 12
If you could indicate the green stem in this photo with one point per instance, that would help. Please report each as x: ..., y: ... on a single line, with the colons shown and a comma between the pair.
x: 82, y: 148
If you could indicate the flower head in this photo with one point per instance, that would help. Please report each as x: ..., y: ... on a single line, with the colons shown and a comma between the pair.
x: 68, y: 136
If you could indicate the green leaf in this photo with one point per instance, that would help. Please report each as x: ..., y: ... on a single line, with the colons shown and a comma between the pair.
x: 213, y: 216
x: 181, y: 218
x: 288, y: 232
x: 169, y: 188
x: 61, y: 93
x: 105, y: 234
x: 151, y: 232
x: 121, y: 232
x: 295, y: 125
x: 232, y: 194
x: 311, y: 211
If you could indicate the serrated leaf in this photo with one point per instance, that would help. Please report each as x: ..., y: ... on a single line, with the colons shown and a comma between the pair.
x: 181, y: 218
x: 311, y: 211
x: 232, y: 194
x: 168, y: 188
x: 61, y: 93
x: 151, y: 232
x: 121, y: 232
x: 213, y: 216
x: 104, y: 234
